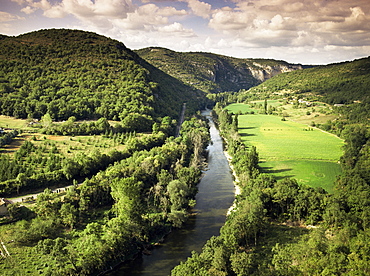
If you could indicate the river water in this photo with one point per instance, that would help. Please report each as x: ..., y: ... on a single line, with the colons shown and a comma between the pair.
x: 215, y: 195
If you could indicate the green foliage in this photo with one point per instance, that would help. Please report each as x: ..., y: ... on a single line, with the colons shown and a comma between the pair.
x: 212, y: 73
x: 114, y: 214
x: 336, y: 83
x: 67, y: 73
x: 251, y: 243
x: 7, y: 137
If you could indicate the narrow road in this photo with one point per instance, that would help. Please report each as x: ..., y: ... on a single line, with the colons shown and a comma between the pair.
x: 34, y: 196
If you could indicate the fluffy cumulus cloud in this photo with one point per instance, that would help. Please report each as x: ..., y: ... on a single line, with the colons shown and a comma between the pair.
x: 200, y: 8
x: 176, y: 29
x: 103, y: 11
x: 264, y: 23
x: 285, y: 29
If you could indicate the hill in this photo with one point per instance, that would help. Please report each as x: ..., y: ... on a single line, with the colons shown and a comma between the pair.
x: 75, y: 73
x: 339, y: 83
x: 213, y: 73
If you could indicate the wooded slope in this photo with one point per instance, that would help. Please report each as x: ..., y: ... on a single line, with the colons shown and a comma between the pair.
x: 338, y: 83
x: 75, y: 73
x: 213, y: 73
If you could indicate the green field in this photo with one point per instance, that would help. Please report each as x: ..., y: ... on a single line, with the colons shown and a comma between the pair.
x: 291, y: 149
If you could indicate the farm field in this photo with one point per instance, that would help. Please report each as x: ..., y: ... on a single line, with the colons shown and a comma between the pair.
x: 292, y: 149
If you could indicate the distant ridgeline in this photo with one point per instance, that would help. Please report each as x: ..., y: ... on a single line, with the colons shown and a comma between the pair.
x: 339, y: 83
x: 74, y: 73
x: 213, y: 73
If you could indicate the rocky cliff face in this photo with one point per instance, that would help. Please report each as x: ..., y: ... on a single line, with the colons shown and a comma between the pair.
x: 246, y: 75
x: 265, y: 72
x: 213, y: 73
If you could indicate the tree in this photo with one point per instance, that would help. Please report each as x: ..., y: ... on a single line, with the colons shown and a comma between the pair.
x: 284, y: 193
x: 241, y: 263
x: 265, y: 106
x: 68, y: 214
x: 177, y: 192
x: 46, y: 121
x: 235, y: 123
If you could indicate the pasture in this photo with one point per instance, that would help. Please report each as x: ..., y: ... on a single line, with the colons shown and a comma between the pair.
x: 292, y: 149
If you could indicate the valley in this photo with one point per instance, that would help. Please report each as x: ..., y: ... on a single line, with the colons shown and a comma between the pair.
x: 80, y: 108
x: 290, y: 149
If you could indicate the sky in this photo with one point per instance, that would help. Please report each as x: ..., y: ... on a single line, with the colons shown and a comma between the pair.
x: 297, y: 31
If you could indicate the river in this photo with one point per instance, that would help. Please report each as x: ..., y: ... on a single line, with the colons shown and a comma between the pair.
x: 215, y: 195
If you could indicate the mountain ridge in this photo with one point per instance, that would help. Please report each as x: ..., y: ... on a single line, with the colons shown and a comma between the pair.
x: 336, y: 83
x: 213, y: 73
x: 76, y: 73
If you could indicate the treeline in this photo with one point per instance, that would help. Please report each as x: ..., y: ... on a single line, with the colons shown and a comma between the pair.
x: 255, y: 240
x: 7, y: 137
x: 118, y: 212
x: 23, y: 173
x: 340, y: 83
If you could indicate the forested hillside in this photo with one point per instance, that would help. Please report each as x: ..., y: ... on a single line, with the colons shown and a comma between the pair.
x: 100, y: 131
x: 213, y: 73
x: 94, y: 166
x: 74, y: 73
x: 339, y: 83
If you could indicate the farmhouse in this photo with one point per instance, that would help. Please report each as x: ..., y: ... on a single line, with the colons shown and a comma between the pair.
x: 3, y: 206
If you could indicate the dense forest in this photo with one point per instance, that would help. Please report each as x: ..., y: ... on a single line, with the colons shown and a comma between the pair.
x: 112, y: 215
x: 72, y: 73
x: 100, y: 129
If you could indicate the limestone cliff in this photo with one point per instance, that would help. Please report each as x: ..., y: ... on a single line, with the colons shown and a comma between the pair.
x: 213, y: 73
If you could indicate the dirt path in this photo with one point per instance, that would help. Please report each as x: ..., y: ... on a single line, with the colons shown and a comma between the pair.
x: 29, y: 197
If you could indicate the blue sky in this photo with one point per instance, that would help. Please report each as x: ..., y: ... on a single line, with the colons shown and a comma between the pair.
x: 298, y: 31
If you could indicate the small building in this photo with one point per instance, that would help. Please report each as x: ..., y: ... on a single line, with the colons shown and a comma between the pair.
x: 4, y: 206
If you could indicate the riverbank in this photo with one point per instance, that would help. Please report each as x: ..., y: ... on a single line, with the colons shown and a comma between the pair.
x: 216, y: 193
x: 235, y: 181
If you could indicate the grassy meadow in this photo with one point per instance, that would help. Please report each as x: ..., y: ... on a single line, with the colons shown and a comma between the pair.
x: 291, y: 149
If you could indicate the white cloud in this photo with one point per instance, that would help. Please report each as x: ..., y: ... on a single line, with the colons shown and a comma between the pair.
x: 146, y: 17
x: 28, y: 10
x: 200, y: 8
x: 7, y: 17
x: 176, y: 29
x: 267, y: 23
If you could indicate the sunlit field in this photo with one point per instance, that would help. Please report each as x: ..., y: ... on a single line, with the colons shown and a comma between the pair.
x: 291, y: 149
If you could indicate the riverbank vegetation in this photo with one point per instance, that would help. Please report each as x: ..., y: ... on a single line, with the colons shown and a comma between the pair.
x: 82, y: 111
x: 88, y: 129
x: 112, y: 215
x: 282, y: 227
x: 269, y: 231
